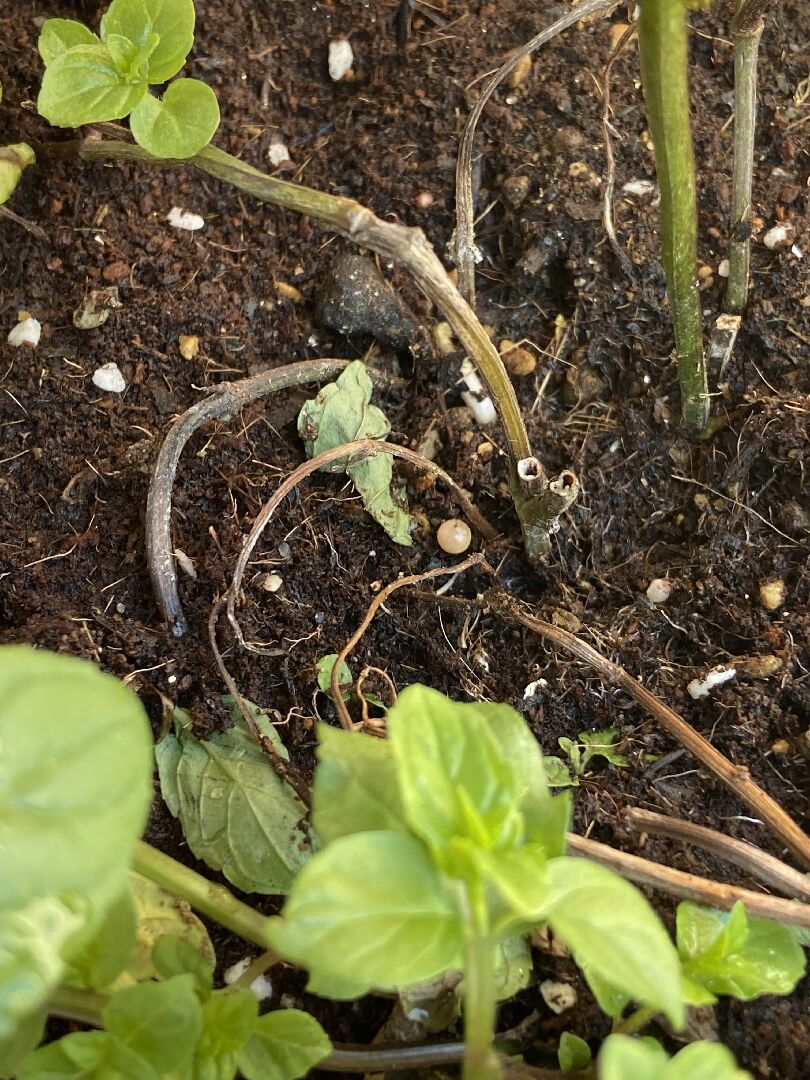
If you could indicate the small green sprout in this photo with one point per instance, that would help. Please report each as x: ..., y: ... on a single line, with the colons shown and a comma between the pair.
x: 89, y: 79
x: 592, y: 744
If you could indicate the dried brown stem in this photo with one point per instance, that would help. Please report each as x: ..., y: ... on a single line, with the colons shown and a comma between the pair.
x: 610, y: 182
x: 412, y: 579
x: 465, y: 253
x: 755, y: 862
x: 736, y: 777
x: 356, y: 451
x: 690, y: 886
x: 225, y: 400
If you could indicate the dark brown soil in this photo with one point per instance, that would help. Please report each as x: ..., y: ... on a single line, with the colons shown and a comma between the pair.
x: 718, y: 518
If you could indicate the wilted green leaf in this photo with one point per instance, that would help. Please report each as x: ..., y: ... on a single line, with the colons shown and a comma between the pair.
x: 340, y: 414
x: 356, y: 786
x: 160, y: 1021
x: 229, y: 1019
x: 237, y: 814
x: 87, y: 1055
x: 83, y: 86
x: 614, y: 933
x: 370, y: 908
x: 573, y: 1052
x: 179, y: 124
x: 161, y: 29
x: 75, y: 788
x: 730, y: 953
x: 13, y: 159
x: 323, y: 670
x: 284, y: 1045
x: 623, y: 1058
x: 59, y: 35
x: 159, y: 914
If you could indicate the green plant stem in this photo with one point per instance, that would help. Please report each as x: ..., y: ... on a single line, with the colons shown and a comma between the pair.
x: 84, y: 1006
x: 480, y: 1060
x: 538, y: 501
x: 663, y: 44
x: 635, y: 1022
x: 205, y: 896
x: 746, y: 31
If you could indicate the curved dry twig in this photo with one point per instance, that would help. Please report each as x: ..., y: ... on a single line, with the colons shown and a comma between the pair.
x: 610, y: 180
x: 758, y: 863
x: 226, y: 399
x: 463, y: 243
x: 356, y: 451
x: 346, y: 721
x: 736, y: 777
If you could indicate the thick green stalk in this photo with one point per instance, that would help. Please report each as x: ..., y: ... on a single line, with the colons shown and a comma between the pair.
x: 663, y: 44
x: 84, y: 1006
x: 205, y: 896
x: 480, y: 1059
x: 746, y: 31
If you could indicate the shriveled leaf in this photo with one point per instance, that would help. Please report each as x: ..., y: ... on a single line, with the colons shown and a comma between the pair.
x: 83, y: 86
x: 456, y: 782
x: 160, y: 914
x: 342, y: 413
x: 25, y: 1038
x: 573, y: 1052
x: 237, y: 814
x: 161, y: 29
x: 614, y: 933
x: 75, y: 789
x: 107, y: 954
x: 370, y: 908
x: 284, y: 1045
x: 87, y: 1055
x: 179, y: 124
x: 229, y: 1019
x: 734, y: 954
x: 13, y: 160
x: 59, y: 35
x: 356, y: 787
x: 160, y: 1021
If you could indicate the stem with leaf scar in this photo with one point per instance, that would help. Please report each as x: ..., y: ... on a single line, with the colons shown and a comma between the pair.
x: 539, y: 500
x: 663, y: 45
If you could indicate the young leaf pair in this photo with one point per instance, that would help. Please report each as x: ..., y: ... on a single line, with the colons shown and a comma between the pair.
x: 441, y: 844
x: 90, y: 78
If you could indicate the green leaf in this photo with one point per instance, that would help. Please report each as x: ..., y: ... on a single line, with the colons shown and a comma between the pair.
x: 521, y: 879
x: 602, y: 744
x: 83, y: 86
x: 284, y: 1045
x: 173, y: 956
x: 614, y: 933
x: 237, y: 814
x: 13, y: 159
x: 166, y: 27
x: 623, y: 1058
x: 370, y: 908
x: 340, y: 414
x: 107, y: 954
x: 610, y: 998
x: 730, y: 953
x: 87, y: 1055
x: 513, y: 966
x: 23, y: 1040
x: 229, y: 1019
x: 59, y: 35
x: 573, y: 1052
x: 356, y: 786
x: 126, y: 58
x: 75, y: 789
x: 161, y: 914
x: 180, y: 124
x: 455, y: 780
x: 323, y: 670
x: 160, y: 1021
x: 558, y: 774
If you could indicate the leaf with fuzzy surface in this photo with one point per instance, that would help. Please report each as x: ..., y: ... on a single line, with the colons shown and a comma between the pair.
x: 284, y: 1045
x: 162, y: 28
x: 59, y: 35
x: 83, y: 86
x: 179, y: 124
